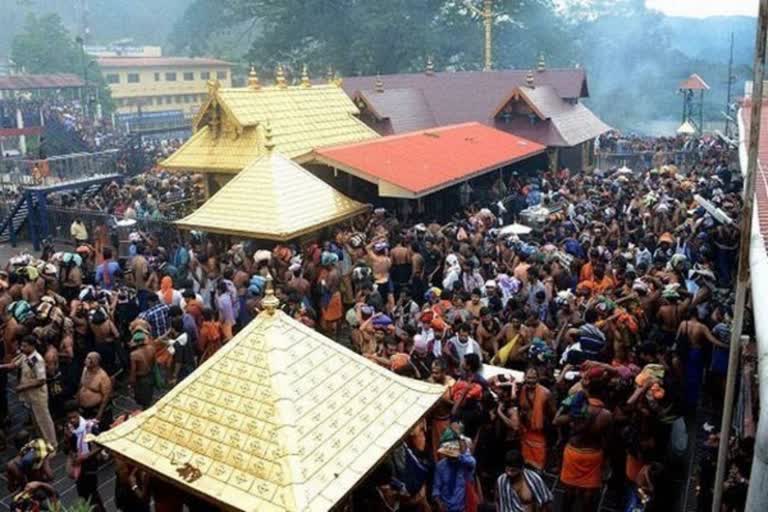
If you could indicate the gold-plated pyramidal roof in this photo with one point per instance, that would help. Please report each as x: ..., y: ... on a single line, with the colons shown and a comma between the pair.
x: 280, y: 419
x: 273, y: 198
x: 303, y: 118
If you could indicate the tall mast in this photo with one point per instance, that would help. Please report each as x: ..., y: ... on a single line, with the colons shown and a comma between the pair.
x: 487, y: 15
x: 488, y: 24
x: 730, y: 88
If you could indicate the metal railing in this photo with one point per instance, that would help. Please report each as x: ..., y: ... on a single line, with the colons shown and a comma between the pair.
x: 15, y: 172
x: 60, y: 220
x: 640, y: 160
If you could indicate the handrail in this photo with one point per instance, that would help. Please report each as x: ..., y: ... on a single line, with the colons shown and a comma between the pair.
x: 757, y: 495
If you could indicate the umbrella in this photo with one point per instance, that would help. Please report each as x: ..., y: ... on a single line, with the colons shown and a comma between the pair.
x: 515, y: 229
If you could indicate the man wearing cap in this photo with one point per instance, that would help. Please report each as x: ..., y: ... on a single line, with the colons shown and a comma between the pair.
x: 453, y: 476
x: 32, y: 388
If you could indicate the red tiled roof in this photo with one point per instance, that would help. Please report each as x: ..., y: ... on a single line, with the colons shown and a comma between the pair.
x: 695, y: 83
x: 426, y: 161
x: 133, y: 62
x: 52, y: 81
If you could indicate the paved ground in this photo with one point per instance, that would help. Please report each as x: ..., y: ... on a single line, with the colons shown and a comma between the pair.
x: 19, y: 417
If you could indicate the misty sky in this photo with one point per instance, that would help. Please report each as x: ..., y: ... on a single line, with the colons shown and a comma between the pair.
x: 704, y: 8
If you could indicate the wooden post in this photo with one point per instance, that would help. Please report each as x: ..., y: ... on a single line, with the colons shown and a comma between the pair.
x: 742, y: 283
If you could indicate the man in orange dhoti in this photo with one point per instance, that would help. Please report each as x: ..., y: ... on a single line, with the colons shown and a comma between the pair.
x: 537, y: 409
x: 589, y: 421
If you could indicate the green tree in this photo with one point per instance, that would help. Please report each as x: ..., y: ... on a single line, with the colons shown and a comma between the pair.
x: 45, y: 46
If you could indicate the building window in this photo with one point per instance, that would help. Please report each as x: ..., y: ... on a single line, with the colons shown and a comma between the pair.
x: 157, y: 77
x: 159, y: 100
x: 168, y: 100
x: 133, y: 78
x: 113, y: 78
x: 205, y: 75
x: 178, y: 98
x: 189, y: 75
x: 170, y: 77
x: 221, y: 75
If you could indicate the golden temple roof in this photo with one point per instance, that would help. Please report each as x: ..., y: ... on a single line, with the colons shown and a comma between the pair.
x: 227, y: 135
x: 280, y: 419
x: 272, y: 198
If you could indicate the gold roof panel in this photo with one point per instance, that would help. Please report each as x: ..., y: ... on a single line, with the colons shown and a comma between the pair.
x: 302, y: 119
x: 272, y: 198
x: 204, y: 151
x: 280, y: 419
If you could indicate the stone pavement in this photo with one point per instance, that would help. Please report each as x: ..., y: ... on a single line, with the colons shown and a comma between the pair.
x: 62, y: 483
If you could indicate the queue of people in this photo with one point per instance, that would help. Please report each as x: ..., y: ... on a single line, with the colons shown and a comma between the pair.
x: 615, y: 310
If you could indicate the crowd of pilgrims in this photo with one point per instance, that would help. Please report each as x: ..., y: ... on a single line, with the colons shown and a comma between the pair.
x: 615, y: 310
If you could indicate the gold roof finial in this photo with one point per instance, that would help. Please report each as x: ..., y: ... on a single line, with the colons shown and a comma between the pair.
x: 379, y: 83
x: 305, y: 77
x: 280, y: 77
x: 213, y: 86
x: 269, y: 144
x: 337, y: 80
x: 253, y: 79
x: 430, y: 66
x: 270, y: 302
x: 529, y: 80
x: 542, y: 65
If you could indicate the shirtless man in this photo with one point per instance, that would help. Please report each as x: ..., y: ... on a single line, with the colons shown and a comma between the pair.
x: 140, y: 377
x: 692, y: 336
x: 583, y: 458
x: 381, y: 264
x: 670, y: 314
x: 95, y: 391
x: 31, y: 292
x: 402, y: 265
x: 105, y: 334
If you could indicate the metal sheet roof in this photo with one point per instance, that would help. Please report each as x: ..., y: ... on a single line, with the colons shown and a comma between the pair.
x: 423, y: 162
x: 420, y: 101
x: 302, y: 118
x: 272, y: 198
x: 143, y: 62
x: 51, y: 81
x: 280, y: 419
x: 570, y: 123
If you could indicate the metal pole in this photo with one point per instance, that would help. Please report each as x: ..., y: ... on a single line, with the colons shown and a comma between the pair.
x: 742, y: 282
x: 488, y: 23
x: 730, y: 88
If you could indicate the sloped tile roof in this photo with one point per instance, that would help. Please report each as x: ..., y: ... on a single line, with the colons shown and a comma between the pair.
x: 302, y: 118
x: 281, y: 419
x: 51, y: 81
x: 272, y: 198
